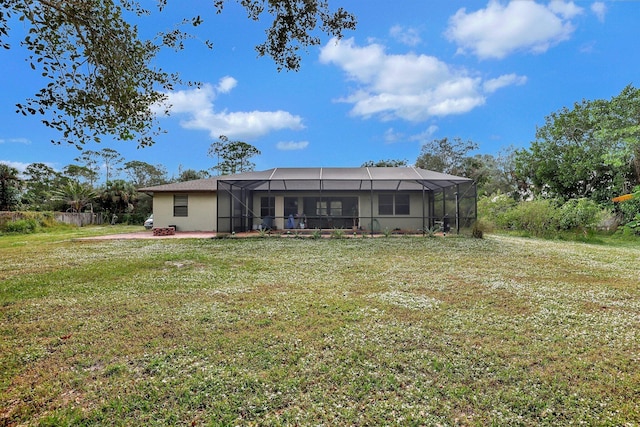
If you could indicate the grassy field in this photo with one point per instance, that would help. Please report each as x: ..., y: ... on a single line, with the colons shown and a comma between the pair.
x: 284, y: 331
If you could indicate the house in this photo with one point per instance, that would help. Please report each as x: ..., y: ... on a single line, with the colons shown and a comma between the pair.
x: 368, y: 198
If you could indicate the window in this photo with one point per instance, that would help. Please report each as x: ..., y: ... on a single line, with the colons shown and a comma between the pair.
x: 267, y: 206
x: 393, y: 204
x: 335, y: 208
x: 180, y: 205
x: 402, y: 204
x: 385, y: 204
x: 321, y: 208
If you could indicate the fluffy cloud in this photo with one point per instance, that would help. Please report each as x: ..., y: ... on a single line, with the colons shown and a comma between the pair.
x: 499, y: 30
x: 292, y: 145
x: 410, y: 87
x: 198, y: 107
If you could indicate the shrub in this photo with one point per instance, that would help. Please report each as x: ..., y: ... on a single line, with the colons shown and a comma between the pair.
x: 538, y: 217
x: 476, y: 231
x: 633, y: 226
x: 23, y: 226
x: 630, y: 209
x: 579, y: 214
x: 494, y: 209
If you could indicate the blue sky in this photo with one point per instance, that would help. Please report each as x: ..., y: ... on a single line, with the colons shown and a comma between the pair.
x: 413, y: 71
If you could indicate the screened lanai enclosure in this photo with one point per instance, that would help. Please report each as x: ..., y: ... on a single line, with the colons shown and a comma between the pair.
x: 374, y: 199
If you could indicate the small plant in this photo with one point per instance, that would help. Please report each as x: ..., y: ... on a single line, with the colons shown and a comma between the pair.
x: 262, y: 233
x: 386, y: 232
x: 476, y: 231
x: 633, y: 226
x: 316, y: 234
x: 337, y: 233
x: 430, y: 232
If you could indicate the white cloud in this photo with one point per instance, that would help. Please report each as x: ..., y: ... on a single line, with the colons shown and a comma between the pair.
x: 198, y: 107
x: 499, y: 30
x: 408, y: 36
x: 292, y: 145
x: 391, y: 136
x: 565, y: 9
x: 425, y: 136
x: 600, y: 10
x: 410, y: 87
x: 492, y: 85
x: 20, y: 166
x: 24, y: 141
x: 226, y: 84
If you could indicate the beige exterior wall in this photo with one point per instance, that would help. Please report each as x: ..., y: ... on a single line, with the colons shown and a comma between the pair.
x: 202, y: 212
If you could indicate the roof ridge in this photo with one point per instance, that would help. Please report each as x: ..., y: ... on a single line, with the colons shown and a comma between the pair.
x: 369, y: 173
x: 272, y: 173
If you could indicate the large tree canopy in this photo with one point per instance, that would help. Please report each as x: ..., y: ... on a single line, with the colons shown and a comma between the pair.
x: 232, y: 156
x: 592, y: 150
x: 446, y: 155
x: 99, y: 74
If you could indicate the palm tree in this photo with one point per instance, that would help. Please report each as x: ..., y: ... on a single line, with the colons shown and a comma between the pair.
x: 118, y: 196
x: 74, y: 194
x: 10, y: 184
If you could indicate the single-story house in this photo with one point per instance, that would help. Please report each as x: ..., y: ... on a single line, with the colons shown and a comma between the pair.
x: 367, y: 198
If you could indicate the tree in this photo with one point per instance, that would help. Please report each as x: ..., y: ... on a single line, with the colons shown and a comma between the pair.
x: 41, y: 180
x: 588, y: 151
x: 232, y: 156
x: 190, y: 174
x: 78, y: 173
x: 143, y: 174
x: 444, y: 155
x: 107, y: 157
x: 118, y: 196
x: 74, y: 194
x: 100, y: 74
x: 492, y: 174
x: 10, y: 184
x: 384, y: 164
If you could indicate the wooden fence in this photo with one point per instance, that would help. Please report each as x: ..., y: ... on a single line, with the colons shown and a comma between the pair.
x: 79, y: 218
x: 75, y: 218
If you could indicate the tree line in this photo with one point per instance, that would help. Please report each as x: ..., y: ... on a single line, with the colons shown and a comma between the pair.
x: 76, y: 187
x: 581, y: 159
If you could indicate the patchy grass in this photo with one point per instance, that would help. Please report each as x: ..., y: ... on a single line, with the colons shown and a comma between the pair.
x: 412, y: 331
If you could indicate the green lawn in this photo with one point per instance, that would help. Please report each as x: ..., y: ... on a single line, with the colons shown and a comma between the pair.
x: 285, y: 331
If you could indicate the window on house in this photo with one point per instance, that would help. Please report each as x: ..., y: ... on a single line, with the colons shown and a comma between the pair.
x: 335, y: 208
x: 402, y: 204
x: 321, y: 208
x: 290, y: 206
x: 267, y: 206
x: 393, y: 204
x: 180, y: 205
